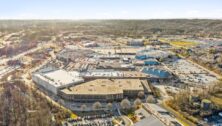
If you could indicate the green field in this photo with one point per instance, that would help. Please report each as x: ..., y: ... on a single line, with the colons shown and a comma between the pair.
x: 185, y: 44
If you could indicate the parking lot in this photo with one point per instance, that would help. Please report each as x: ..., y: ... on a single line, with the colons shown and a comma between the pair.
x: 190, y: 73
x: 95, y: 120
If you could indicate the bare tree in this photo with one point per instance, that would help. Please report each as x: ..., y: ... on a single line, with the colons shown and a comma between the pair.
x: 125, y: 104
x: 150, y: 99
x: 109, y: 106
x: 137, y: 102
x: 61, y: 102
x: 83, y: 107
x: 141, y: 94
x: 97, y: 105
x: 22, y: 112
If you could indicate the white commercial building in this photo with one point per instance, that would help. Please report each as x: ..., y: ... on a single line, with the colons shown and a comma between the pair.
x: 58, y: 79
x: 135, y: 42
x: 90, y: 44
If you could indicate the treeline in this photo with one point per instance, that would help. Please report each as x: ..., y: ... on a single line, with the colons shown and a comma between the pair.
x: 134, y: 28
x: 20, y: 106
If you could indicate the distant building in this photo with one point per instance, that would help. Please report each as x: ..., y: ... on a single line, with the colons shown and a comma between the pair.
x: 135, y: 42
x: 148, y: 62
x: 111, y: 74
x: 126, y: 51
x: 73, y: 53
x: 146, y: 54
x: 141, y: 57
x: 157, y: 72
x: 107, y: 56
x: 115, y: 66
x: 151, y: 62
x: 90, y: 44
x: 55, y: 80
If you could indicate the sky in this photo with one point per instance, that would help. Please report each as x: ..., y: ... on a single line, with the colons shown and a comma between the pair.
x: 110, y: 9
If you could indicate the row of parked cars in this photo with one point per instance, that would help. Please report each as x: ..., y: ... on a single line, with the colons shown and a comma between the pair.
x: 94, y: 120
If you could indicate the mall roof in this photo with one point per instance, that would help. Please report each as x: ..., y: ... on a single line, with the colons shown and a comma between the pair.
x: 60, y: 77
x: 105, y: 87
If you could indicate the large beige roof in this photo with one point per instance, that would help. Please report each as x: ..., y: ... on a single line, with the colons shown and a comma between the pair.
x: 129, y: 84
x: 134, y: 74
x: 105, y: 87
x: 100, y: 86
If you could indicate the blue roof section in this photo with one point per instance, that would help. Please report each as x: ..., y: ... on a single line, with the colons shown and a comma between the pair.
x: 143, y: 57
x: 156, y: 72
x: 151, y: 62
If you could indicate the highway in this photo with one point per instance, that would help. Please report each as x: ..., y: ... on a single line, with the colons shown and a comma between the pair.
x: 5, y: 60
x: 39, y: 46
x: 6, y: 70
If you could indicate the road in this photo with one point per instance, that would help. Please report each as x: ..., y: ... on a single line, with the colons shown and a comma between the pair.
x: 6, y: 70
x: 127, y: 121
x: 178, y: 116
x: 5, y: 60
x: 39, y: 46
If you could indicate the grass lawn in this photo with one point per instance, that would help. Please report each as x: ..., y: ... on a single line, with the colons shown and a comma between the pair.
x: 73, y: 116
x: 185, y: 44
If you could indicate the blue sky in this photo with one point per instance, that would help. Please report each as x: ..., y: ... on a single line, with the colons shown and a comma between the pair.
x: 110, y: 9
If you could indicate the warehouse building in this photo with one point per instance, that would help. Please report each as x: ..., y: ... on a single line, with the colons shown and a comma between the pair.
x: 103, y: 90
x: 148, y: 62
x: 160, y: 73
x: 112, y: 74
x: 55, y: 80
x: 107, y: 56
x: 90, y: 44
x: 135, y: 42
x: 72, y: 54
x: 151, y: 62
x: 115, y: 66
x: 142, y: 57
x: 146, y: 54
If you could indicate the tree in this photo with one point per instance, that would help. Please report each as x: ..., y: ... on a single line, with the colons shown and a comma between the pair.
x: 150, y: 99
x: 125, y: 104
x: 97, y: 105
x: 141, y: 94
x: 19, y: 110
x: 61, y: 102
x: 137, y: 102
x: 83, y: 107
x: 109, y: 106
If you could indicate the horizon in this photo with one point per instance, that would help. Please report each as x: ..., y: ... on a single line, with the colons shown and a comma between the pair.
x: 109, y: 10
x: 110, y: 19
